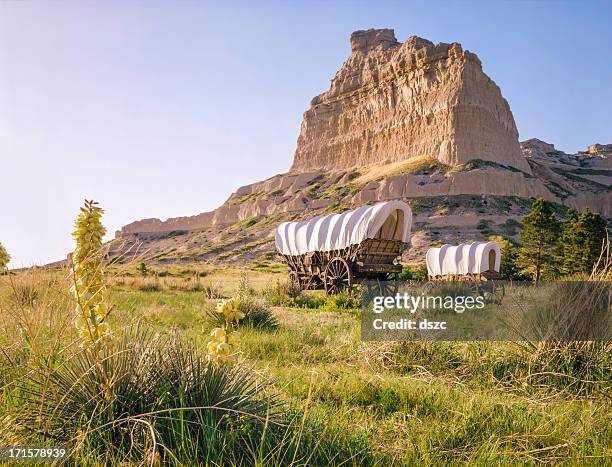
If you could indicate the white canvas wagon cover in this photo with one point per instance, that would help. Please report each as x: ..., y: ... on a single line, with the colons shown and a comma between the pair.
x: 389, y: 220
x: 466, y: 258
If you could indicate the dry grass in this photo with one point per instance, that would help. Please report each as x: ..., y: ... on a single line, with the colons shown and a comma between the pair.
x: 412, y: 165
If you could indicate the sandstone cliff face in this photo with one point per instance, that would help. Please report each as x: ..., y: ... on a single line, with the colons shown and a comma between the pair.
x: 392, y: 101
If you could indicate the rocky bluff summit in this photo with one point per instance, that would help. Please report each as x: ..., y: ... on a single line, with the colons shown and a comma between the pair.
x: 413, y: 121
x: 393, y: 101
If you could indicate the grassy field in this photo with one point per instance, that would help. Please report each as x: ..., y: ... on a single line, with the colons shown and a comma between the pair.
x: 345, y: 402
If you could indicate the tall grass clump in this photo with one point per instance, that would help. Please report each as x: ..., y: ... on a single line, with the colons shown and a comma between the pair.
x: 212, y: 290
x: 155, y: 397
x: 572, y: 327
x: 346, y: 300
x: 287, y: 294
x: 25, y: 294
x: 283, y: 293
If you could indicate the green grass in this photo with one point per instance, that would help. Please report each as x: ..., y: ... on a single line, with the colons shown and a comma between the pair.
x: 365, y: 403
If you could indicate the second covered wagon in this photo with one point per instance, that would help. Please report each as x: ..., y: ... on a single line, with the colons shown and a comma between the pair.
x: 478, y: 263
x: 474, y: 260
x: 338, y: 250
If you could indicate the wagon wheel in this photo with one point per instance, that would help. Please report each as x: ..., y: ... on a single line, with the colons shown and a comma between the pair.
x: 429, y: 287
x: 380, y: 288
x: 314, y: 283
x: 494, y: 292
x: 337, y: 276
x: 294, y: 279
x: 387, y: 286
x: 476, y: 288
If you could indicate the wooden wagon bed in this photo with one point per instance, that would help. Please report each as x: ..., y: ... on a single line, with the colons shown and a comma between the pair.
x: 335, y: 270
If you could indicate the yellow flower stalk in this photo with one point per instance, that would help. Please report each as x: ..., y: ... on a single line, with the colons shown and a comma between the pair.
x: 230, y: 310
x: 88, y: 284
x: 222, y: 348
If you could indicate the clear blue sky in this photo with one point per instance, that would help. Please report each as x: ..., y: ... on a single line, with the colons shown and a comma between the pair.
x: 162, y: 109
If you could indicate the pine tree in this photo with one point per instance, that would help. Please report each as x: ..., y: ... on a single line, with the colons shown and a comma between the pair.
x: 568, y: 248
x: 594, y: 227
x: 582, y: 240
x: 508, y: 267
x: 539, y: 238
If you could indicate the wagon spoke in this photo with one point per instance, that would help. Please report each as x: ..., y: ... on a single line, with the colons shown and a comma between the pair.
x: 337, y: 275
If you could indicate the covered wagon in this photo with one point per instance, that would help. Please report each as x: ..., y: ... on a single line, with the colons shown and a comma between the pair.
x: 476, y: 262
x: 338, y: 250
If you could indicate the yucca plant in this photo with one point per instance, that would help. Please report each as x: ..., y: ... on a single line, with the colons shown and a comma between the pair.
x: 256, y: 315
x: 156, y: 396
x: 88, y: 284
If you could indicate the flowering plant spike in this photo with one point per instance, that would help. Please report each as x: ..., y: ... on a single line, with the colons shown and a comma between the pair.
x: 88, y: 285
x: 222, y: 348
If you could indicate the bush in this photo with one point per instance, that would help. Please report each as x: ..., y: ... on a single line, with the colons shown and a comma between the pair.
x: 251, y: 222
x: 310, y: 301
x: 413, y: 273
x: 343, y: 301
x: 405, y: 275
x: 142, y: 268
x: 283, y: 293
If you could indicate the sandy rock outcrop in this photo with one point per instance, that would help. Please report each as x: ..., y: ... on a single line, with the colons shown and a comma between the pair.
x: 257, y: 199
x: 535, y: 147
x: 602, y: 150
x: 491, y: 181
x: 391, y: 102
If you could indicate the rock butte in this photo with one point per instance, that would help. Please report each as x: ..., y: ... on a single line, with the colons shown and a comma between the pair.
x: 394, y: 105
x: 391, y: 101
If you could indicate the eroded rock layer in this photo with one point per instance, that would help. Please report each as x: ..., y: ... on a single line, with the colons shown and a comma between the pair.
x: 391, y: 102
